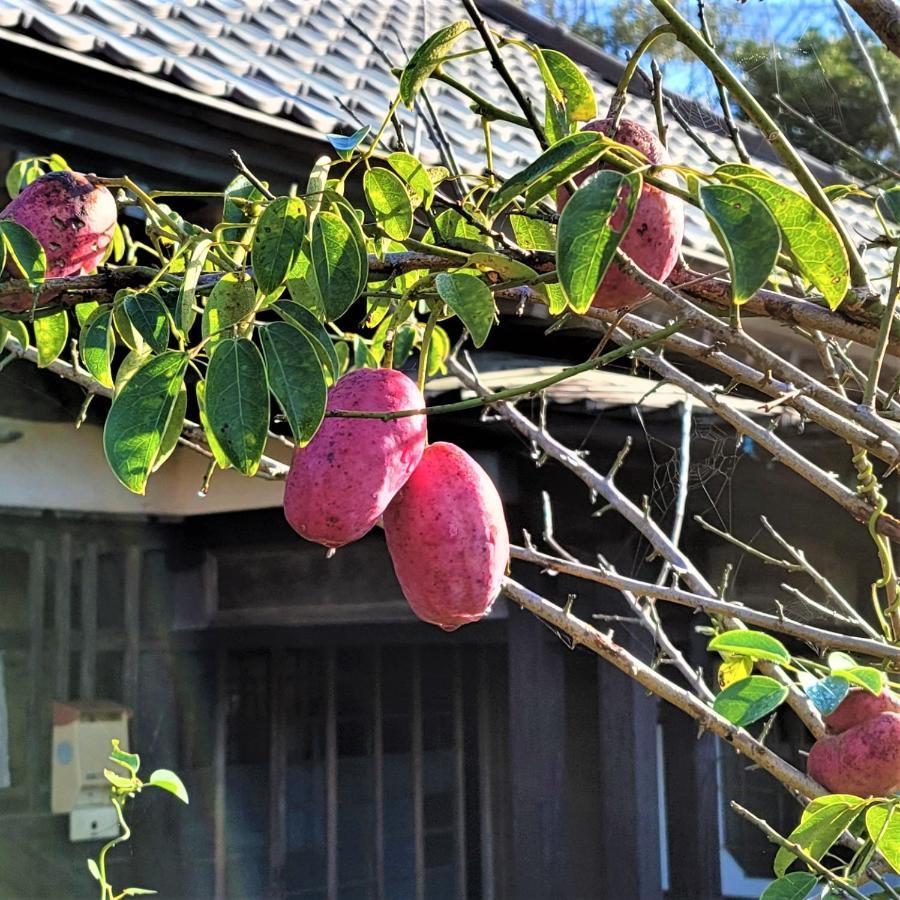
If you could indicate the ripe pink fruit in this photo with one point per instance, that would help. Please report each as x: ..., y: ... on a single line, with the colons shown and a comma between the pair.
x: 654, y: 237
x: 447, y: 537
x: 341, y: 482
x: 863, y: 760
x: 72, y: 219
x: 860, y: 705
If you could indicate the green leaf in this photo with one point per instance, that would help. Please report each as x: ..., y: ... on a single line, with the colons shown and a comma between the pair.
x: 891, y: 200
x: 139, y: 416
x: 747, y: 233
x: 389, y: 202
x: 137, y: 892
x: 21, y: 173
x: 883, y: 826
x: 232, y: 211
x: 863, y: 676
x: 231, y: 300
x: 586, y: 240
x: 403, y: 344
x: 147, y: 315
x: 16, y: 328
x: 169, y: 781
x: 304, y: 320
x: 427, y: 57
x: 537, y: 234
x: 754, y: 644
x: 173, y: 430
x: 838, y: 660
x: 83, y: 311
x: 345, y: 144
x: 130, y: 761
x: 24, y: 250
x: 216, y: 448
x: 573, y: 98
x: 132, y: 362
x: 438, y: 351
x: 316, y: 184
x: 94, y: 869
x: 335, y: 263
x: 470, y: 299
x: 414, y: 173
x: 277, y: 242
x: 50, y: 336
x: 809, y: 235
x: 817, y: 833
x: 97, y: 343
x: 352, y: 221
x: 185, y: 314
x: 748, y: 700
x: 795, y: 886
x: 827, y: 693
x: 554, y: 166
x: 237, y: 402
x: 118, y: 781
x: 296, y: 378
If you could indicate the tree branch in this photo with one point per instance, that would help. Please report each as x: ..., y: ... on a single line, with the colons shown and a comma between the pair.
x: 883, y: 17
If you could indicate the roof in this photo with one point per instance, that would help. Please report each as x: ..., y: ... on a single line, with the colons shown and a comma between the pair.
x: 291, y: 60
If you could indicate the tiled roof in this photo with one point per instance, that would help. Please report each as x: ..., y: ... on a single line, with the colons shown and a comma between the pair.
x: 294, y: 58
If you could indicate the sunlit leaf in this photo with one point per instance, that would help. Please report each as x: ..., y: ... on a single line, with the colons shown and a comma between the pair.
x: 24, y: 251
x: 747, y: 233
x: 148, y: 317
x: 389, y: 202
x: 753, y: 644
x: 277, y: 242
x: 795, y: 886
x: 883, y: 826
x: 538, y: 234
x: 16, y: 328
x: 817, y: 833
x: 335, y: 263
x: 185, y: 313
x: 414, y: 173
x: 345, y: 144
x: 427, y: 57
x: 169, y: 781
x: 438, y: 351
x: 97, y: 343
x: 748, y: 700
x: 230, y: 303
x: 50, y: 336
x: 470, y: 299
x: 239, y: 196
x: 586, y: 240
x: 139, y: 416
x: 303, y: 319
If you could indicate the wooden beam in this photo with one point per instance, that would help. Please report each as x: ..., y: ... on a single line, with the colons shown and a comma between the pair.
x: 278, y: 719
x: 378, y: 773
x: 485, y: 775
x: 459, y: 755
x: 418, y: 775
x: 88, y: 671
x: 331, y: 773
x: 62, y: 615
x: 38, y: 714
x: 132, y: 620
x: 220, y: 741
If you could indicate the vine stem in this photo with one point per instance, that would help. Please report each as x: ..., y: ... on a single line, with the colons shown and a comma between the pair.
x: 884, y: 334
x: 695, y: 42
x: 426, y: 344
x: 617, y: 104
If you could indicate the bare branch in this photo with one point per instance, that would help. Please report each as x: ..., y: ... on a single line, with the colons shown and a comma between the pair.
x: 883, y: 17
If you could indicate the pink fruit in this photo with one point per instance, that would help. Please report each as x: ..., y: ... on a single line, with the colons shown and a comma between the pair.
x: 447, y: 537
x: 72, y: 219
x: 341, y: 482
x: 654, y: 237
x: 860, y: 705
x: 863, y: 760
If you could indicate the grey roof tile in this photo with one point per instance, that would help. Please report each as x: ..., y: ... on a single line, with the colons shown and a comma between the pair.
x: 116, y: 16
x: 11, y: 14
x: 178, y: 37
x: 202, y: 75
x: 134, y: 53
x: 66, y: 31
x: 204, y: 20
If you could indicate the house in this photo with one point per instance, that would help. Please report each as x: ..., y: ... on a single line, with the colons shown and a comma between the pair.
x: 334, y: 746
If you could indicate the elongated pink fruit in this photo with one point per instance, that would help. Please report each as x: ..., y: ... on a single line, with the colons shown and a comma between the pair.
x: 654, y: 236
x: 72, y: 219
x: 340, y: 483
x: 860, y: 705
x: 447, y: 537
x: 863, y: 760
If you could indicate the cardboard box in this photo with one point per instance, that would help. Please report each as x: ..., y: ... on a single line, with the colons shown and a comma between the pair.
x: 82, y: 740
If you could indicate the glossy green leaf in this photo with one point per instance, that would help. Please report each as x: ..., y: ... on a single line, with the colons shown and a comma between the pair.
x: 240, y: 189
x: 147, y: 315
x: 349, y: 215
x: 438, y: 351
x: 753, y: 644
x: 891, y: 201
x: 538, y: 234
x: 237, y: 402
x: 314, y: 330
x: 97, y: 343
x: 827, y: 693
x: 50, y: 336
x: 169, y: 781
x: 16, y: 328
x: 137, y: 892
x: 586, y: 241
x: 185, y: 313
x: 129, y: 335
x: 471, y: 300
x: 554, y: 166
x: 389, y: 202
x: 747, y: 233
x: 23, y: 249
x: 809, y: 235
x: 414, y: 173
x: 403, y: 344
x: 883, y: 827
x: 277, y: 242
x: 83, y: 311
x: 94, y: 869
x: 130, y: 761
x: 748, y: 700
x: 794, y: 886
x: 134, y: 359
x: 230, y: 302
x: 817, y: 833
x: 20, y: 174
x: 296, y: 378
x: 139, y: 416
x: 455, y: 231
x: 427, y: 57
x: 574, y: 101
x: 173, y: 429
x: 335, y: 263
x: 863, y: 676
x: 218, y: 453
x: 316, y: 185
x: 345, y: 144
